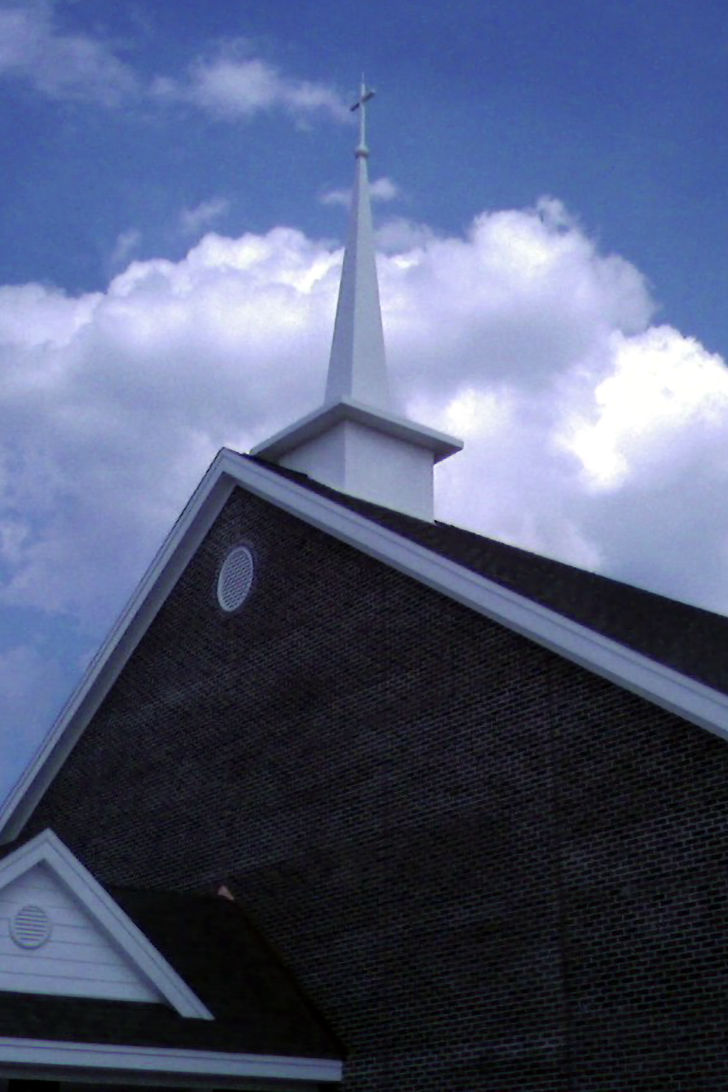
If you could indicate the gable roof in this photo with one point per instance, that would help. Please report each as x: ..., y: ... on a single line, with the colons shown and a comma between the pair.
x: 545, y: 601
x: 687, y: 638
x: 136, y: 969
x: 256, y: 1003
x: 254, y: 1022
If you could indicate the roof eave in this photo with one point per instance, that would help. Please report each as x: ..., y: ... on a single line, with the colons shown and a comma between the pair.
x: 63, y: 1060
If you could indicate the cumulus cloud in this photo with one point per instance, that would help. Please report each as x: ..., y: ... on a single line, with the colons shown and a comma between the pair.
x: 381, y: 189
x: 586, y: 428
x: 97, y: 390
x: 61, y: 66
x: 231, y: 84
x: 193, y: 220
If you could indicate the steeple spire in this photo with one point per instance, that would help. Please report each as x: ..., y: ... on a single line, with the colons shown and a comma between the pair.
x: 357, y: 365
x: 355, y: 442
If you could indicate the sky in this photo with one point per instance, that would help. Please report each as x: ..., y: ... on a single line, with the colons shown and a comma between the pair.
x: 550, y: 205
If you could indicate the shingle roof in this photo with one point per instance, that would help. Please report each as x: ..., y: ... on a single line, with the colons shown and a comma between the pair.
x: 257, y: 1004
x: 683, y: 637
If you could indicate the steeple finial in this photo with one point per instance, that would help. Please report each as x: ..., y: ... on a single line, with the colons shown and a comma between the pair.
x: 365, y: 94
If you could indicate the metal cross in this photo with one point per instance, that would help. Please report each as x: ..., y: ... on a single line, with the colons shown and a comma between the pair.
x: 365, y: 93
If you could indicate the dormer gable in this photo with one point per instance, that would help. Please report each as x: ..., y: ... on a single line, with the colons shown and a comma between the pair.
x: 62, y: 935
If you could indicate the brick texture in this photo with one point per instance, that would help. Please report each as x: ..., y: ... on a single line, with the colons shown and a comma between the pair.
x: 490, y: 869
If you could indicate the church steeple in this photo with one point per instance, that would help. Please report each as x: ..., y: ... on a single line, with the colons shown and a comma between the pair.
x: 355, y: 442
x: 357, y: 366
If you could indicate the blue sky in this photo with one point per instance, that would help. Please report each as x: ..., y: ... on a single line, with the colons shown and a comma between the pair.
x: 551, y: 210
x: 618, y: 109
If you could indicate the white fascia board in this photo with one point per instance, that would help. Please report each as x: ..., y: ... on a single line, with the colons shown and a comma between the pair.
x: 49, y: 1058
x: 694, y: 701
x: 441, y: 444
x: 47, y: 848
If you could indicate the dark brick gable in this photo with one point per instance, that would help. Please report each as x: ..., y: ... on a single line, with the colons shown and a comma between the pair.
x: 489, y: 868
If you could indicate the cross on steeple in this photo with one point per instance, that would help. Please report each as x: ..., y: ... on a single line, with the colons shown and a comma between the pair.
x: 365, y: 93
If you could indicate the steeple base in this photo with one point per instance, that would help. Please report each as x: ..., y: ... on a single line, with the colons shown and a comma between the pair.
x: 364, y: 453
x: 362, y: 463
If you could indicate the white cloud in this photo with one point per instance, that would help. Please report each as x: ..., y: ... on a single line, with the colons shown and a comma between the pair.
x: 228, y: 83
x: 664, y: 388
x: 29, y: 684
x: 62, y: 66
x: 193, y: 220
x: 231, y: 84
x: 96, y: 391
x: 335, y: 197
x: 382, y: 189
x: 126, y: 243
x: 590, y: 435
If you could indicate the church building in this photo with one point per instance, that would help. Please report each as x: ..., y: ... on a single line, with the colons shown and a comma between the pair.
x: 352, y: 798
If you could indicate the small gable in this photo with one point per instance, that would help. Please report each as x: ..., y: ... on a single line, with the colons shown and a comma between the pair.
x: 62, y: 935
x: 50, y: 944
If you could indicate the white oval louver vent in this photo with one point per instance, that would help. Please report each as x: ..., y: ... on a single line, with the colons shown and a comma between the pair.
x: 30, y: 927
x: 235, y: 579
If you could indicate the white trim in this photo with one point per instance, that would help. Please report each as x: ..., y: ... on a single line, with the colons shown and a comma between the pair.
x: 150, y: 964
x: 441, y: 444
x: 46, y: 1055
x: 695, y: 702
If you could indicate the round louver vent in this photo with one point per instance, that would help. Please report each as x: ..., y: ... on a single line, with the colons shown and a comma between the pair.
x: 30, y: 927
x: 235, y: 579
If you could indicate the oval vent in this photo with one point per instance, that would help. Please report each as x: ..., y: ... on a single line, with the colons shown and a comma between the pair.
x: 30, y: 927
x: 235, y: 579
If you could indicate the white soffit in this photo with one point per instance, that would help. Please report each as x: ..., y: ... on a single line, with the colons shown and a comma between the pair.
x: 679, y: 694
x: 62, y: 934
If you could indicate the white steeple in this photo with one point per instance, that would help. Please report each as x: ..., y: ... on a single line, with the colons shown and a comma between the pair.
x: 355, y: 442
x: 357, y: 365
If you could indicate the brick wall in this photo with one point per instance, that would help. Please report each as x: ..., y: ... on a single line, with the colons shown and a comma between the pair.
x: 490, y: 869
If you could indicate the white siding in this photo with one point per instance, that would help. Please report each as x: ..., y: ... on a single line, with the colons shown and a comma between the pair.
x: 79, y: 959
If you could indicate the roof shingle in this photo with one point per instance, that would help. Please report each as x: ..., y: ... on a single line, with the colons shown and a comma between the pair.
x: 686, y: 638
